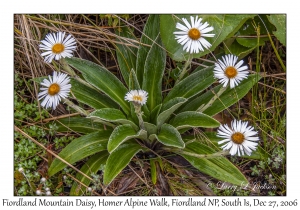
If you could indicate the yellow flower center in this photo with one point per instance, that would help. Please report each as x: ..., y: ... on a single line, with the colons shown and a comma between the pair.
x: 137, y: 98
x: 230, y: 72
x: 58, y: 48
x: 53, y: 89
x: 194, y: 34
x: 238, y: 138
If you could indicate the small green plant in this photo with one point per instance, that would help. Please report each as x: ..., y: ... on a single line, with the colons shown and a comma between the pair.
x: 27, y: 155
x: 272, y: 170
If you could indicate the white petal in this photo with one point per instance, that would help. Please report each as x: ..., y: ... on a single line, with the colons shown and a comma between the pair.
x: 208, y: 29
x: 186, y: 23
x: 233, y: 149
x: 182, y: 27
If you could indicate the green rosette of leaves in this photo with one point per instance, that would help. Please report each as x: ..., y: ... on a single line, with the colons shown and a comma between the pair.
x: 117, y: 130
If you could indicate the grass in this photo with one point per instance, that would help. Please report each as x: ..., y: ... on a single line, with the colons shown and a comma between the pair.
x: 264, y: 107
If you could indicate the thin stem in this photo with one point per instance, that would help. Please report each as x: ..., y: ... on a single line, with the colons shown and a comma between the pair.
x: 139, y: 115
x: 77, y: 108
x: 67, y: 67
x: 29, y: 183
x: 212, y: 100
x: 273, y: 46
x: 184, y: 70
x: 214, y: 155
x: 83, y: 82
x: 276, y: 53
x: 72, y: 72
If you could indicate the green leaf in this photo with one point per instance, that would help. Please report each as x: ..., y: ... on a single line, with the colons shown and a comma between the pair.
x: 153, y: 73
x: 219, y: 168
x: 224, y: 25
x: 154, y: 113
x: 194, y: 119
x: 153, y: 171
x: 239, y: 27
x: 80, y: 148
x: 150, y: 32
x: 237, y: 49
x: 279, y: 21
x: 119, y: 159
x: 229, y: 97
x: 169, y: 136
x: 102, y: 79
x: 133, y: 81
x: 251, y: 42
x: 77, y: 124
x: 192, y: 84
x: 150, y: 128
x: 111, y: 115
x: 93, y: 165
x: 90, y: 96
x: 121, y: 134
x: 168, y: 109
x: 241, y: 47
x: 251, y: 25
x: 126, y: 54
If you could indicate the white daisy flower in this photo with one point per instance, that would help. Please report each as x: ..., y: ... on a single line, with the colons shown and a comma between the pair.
x: 230, y: 71
x: 239, y: 138
x: 137, y: 96
x: 55, y: 88
x: 56, y: 46
x: 191, y: 35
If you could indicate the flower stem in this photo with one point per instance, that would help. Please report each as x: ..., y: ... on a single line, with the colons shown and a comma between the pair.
x: 67, y: 67
x: 139, y: 115
x: 77, y: 108
x: 212, y: 100
x: 184, y: 70
x: 213, y: 155
x: 72, y: 73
